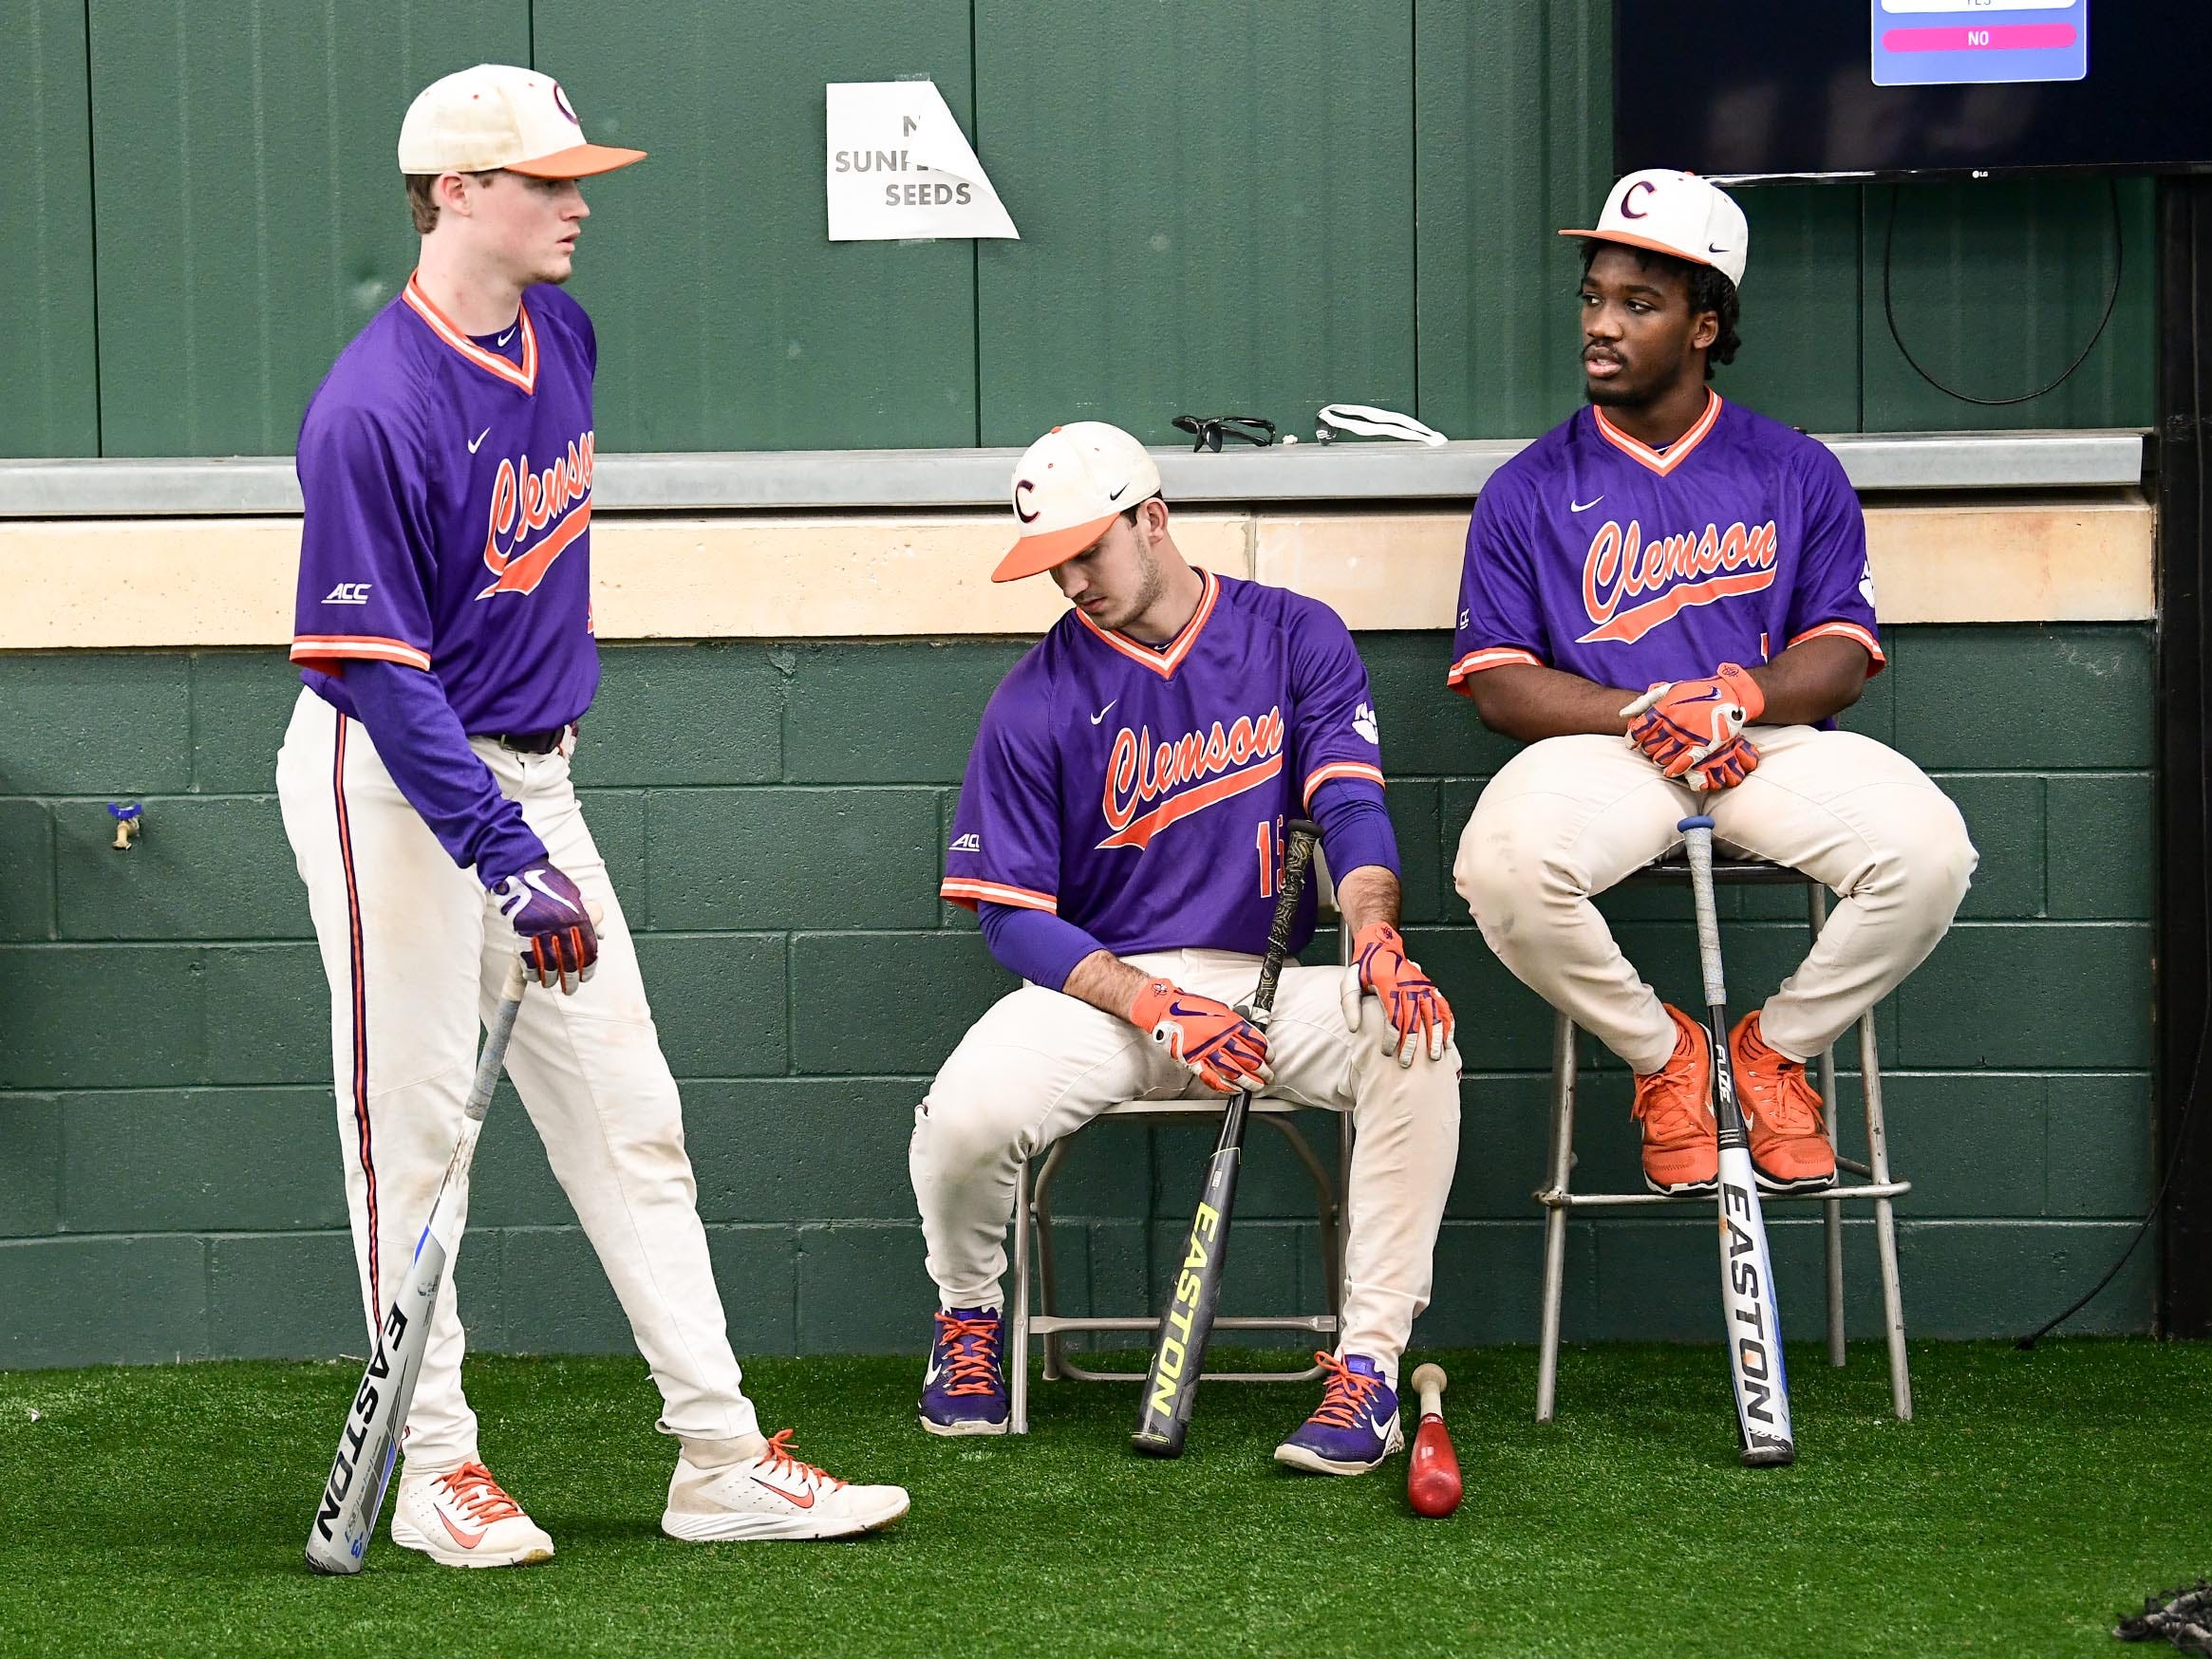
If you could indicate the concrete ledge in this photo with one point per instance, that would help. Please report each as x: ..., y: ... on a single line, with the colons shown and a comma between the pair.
x: 149, y: 584
x: 857, y: 480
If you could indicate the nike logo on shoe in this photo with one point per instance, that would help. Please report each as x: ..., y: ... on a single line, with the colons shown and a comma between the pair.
x: 798, y: 1500
x: 1102, y: 713
x: 466, y: 1540
x: 479, y: 439
x: 1584, y: 506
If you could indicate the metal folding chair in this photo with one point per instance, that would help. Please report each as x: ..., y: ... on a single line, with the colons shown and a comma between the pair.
x: 1032, y: 1223
x: 1876, y: 1184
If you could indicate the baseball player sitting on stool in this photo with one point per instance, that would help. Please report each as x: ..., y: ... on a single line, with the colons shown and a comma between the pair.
x: 1667, y: 598
x: 1120, y: 834
x: 444, y: 624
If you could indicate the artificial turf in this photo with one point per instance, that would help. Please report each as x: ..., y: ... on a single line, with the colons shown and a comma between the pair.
x: 2034, y: 1498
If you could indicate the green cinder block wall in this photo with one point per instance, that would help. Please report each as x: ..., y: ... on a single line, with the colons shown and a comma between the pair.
x: 773, y: 815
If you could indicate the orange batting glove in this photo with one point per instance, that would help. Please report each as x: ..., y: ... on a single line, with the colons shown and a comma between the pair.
x: 1683, y: 724
x: 1415, y: 1009
x: 1227, y: 1051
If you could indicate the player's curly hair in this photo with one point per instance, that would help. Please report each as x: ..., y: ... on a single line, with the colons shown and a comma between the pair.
x: 424, y: 205
x: 1709, y: 289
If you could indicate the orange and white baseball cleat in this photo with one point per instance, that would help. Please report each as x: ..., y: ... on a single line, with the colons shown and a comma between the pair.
x: 774, y: 1495
x: 1682, y: 1138
x: 1783, y: 1113
x: 462, y: 1518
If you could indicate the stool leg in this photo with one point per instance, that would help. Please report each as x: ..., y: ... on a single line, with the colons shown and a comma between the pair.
x: 1047, y: 1280
x: 1018, y: 1312
x: 1884, y: 1222
x: 1563, y: 1136
x: 1832, y: 1222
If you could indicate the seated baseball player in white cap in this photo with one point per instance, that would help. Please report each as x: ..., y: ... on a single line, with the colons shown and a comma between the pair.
x: 443, y: 624
x: 1667, y: 597
x: 1120, y: 834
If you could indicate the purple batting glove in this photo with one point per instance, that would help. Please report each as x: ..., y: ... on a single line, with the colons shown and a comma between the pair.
x: 549, y: 913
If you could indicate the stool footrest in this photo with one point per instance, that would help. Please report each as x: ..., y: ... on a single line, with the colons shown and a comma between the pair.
x: 1320, y: 1324
x: 1553, y: 1199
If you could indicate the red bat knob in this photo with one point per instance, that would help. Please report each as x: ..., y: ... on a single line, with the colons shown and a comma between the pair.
x: 1433, y: 1485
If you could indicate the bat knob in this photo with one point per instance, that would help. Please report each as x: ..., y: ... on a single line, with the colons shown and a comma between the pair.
x: 1429, y: 1376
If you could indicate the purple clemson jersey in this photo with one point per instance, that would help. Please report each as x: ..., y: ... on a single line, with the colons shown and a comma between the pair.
x: 1141, y: 794
x: 1592, y: 553
x: 448, y: 490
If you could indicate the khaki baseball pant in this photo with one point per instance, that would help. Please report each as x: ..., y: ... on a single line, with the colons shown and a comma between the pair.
x: 1568, y: 817
x: 415, y: 955
x: 1041, y: 1064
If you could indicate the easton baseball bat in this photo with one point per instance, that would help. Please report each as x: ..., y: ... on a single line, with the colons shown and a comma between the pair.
x: 1433, y: 1485
x: 1171, y: 1385
x: 1752, y: 1318
x: 346, y: 1516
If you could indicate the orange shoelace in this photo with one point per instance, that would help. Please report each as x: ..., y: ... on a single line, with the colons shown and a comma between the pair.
x: 1668, y: 1103
x: 781, y: 1464
x: 1795, y: 1108
x: 1349, y: 1395
x: 471, y: 1487
x: 972, y: 1366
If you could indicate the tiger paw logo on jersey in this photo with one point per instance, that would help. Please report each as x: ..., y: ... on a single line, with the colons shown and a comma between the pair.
x: 556, y: 503
x: 1185, y: 775
x: 1675, y: 572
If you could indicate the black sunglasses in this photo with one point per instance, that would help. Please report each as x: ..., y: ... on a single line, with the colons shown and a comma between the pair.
x: 1208, y: 430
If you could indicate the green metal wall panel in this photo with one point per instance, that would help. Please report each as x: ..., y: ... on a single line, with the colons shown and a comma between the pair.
x: 1513, y: 113
x: 1216, y: 205
x: 49, y: 363
x: 161, y: 1011
x: 1996, y: 285
x: 250, y: 217
x: 726, y: 319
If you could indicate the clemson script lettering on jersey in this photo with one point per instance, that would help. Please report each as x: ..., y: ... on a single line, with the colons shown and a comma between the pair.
x: 1246, y: 755
x: 1677, y: 570
x: 557, y: 501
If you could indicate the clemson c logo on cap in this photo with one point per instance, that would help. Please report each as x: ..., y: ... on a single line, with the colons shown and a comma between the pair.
x: 1628, y: 196
x: 1025, y: 517
x: 561, y: 103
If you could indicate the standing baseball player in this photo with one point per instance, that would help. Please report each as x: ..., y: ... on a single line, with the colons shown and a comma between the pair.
x: 1120, y: 834
x: 444, y: 624
x: 1667, y: 597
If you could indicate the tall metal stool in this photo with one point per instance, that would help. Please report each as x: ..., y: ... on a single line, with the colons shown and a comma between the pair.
x: 1033, y: 1222
x: 1875, y: 1185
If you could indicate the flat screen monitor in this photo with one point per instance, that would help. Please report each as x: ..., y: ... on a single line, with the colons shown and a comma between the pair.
x: 1748, y: 89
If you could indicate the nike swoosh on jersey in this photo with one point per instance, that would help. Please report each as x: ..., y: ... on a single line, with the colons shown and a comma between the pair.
x: 799, y: 1499
x: 510, y: 334
x: 1584, y: 506
x: 1104, y: 711
x: 479, y: 439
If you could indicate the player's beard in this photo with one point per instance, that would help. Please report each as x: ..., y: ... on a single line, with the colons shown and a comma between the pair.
x: 1151, y: 583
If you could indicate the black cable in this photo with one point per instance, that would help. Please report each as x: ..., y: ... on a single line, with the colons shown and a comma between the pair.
x: 2111, y: 299
x: 2190, y: 1098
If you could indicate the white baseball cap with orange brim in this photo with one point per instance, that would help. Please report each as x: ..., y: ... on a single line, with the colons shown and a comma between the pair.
x: 1675, y: 213
x: 1069, y: 487
x: 496, y: 116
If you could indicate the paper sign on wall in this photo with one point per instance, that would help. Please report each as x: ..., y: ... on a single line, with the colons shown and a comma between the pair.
x: 900, y: 168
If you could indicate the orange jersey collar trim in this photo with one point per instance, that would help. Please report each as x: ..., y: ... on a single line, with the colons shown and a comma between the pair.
x: 1164, y: 664
x: 1677, y: 452
x: 490, y: 361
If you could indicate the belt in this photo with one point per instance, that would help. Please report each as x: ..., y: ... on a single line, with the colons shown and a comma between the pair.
x: 532, y: 742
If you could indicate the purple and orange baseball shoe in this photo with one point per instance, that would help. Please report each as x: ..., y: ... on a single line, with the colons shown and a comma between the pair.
x: 965, y: 1389
x: 1356, y: 1426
